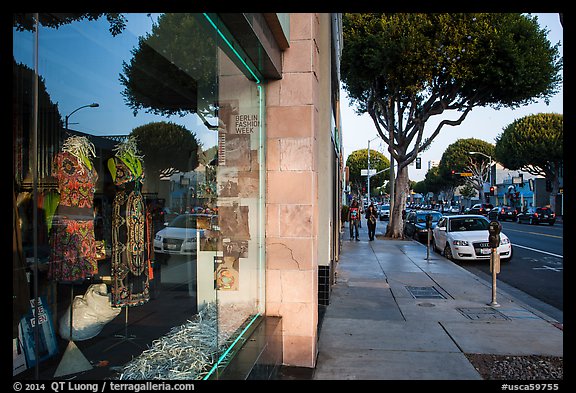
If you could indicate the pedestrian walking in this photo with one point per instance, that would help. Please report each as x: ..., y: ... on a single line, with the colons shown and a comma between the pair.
x: 371, y: 221
x: 353, y: 219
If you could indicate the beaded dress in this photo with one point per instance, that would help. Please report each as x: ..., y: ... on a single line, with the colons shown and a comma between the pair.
x: 131, y: 238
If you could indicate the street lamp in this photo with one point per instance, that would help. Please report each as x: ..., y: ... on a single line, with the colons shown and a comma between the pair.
x: 93, y: 105
x: 369, y: 140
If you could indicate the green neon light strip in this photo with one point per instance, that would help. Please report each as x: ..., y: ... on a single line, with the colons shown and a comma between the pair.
x: 262, y: 196
x: 231, y: 47
x: 230, y: 348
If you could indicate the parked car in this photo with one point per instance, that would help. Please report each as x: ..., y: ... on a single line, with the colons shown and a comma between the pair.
x: 181, y: 235
x: 415, y: 224
x: 480, y: 208
x: 455, y: 209
x: 537, y: 215
x: 384, y: 213
x: 464, y: 237
x: 503, y: 213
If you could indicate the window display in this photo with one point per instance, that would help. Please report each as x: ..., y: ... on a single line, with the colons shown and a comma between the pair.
x: 150, y: 203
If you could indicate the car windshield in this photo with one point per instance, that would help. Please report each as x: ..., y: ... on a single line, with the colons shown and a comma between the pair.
x: 468, y: 224
x: 385, y: 207
x: 183, y: 221
x: 422, y: 217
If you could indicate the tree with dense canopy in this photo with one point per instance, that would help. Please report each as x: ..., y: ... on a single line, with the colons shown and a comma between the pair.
x: 457, y: 157
x: 535, y: 144
x: 403, y: 69
x: 358, y: 160
x: 168, y: 76
x: 167, y: 148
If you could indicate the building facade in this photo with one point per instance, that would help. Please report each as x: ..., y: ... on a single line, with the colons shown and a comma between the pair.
x: 185, y: 170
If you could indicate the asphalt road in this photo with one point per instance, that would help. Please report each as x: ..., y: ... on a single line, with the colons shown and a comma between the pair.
x: 537, y: 266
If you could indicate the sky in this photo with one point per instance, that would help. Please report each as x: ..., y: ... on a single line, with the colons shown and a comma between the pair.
x: 481, y: 123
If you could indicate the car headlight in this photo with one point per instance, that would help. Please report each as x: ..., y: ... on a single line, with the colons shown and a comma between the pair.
x: 505, y: 241
x: 460, y: 242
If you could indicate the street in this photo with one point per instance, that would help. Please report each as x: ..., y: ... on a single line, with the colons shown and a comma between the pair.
x: 537, y: 265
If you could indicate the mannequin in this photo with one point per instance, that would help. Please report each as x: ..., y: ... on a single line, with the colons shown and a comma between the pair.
x: 131, y: 239
x: 72, y: 243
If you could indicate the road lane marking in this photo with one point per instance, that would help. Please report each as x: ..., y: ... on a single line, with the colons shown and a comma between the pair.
x: 533, y: 233
x: 543, y: 252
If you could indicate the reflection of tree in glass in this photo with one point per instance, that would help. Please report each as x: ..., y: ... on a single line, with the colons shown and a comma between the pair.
x: 49, y: 123
x: 166, y: 146
x: 25, y: 22
x: 173, y: 69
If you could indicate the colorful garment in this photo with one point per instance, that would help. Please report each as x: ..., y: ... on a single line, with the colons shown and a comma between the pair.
x: 72, y: 243
x: 131, y: 238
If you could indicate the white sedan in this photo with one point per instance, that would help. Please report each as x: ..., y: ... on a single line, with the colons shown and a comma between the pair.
x: 465, y: 237
x: 181, y: 235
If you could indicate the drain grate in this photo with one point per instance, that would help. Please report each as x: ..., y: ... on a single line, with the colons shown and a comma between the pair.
x: 482, y: 313
x: 424, y: 293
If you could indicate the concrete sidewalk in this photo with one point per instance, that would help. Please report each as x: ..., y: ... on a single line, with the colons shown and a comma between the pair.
x: 395, y: 314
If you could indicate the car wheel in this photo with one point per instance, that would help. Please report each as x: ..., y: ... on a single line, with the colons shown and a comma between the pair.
x: 448, y: 252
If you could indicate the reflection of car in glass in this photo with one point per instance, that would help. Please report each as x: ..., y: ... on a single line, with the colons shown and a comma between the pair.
x: 181, y: 235
x: 415, y: 224
x: 503, y: 213
x: 465, y: 237
x: 537, y: 215
x: 384, y: 212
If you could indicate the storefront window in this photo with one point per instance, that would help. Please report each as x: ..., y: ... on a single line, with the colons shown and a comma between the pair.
x: 138, y: 196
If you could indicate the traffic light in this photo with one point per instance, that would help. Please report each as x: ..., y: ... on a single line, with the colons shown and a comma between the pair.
x: 418, y: 163
x: 492, y: 190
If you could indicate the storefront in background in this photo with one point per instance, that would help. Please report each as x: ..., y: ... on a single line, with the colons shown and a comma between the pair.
x: 138, y: 195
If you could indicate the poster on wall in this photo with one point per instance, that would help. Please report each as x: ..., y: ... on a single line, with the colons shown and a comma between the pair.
x: 233, y: 221
x: 47, y: 345
x: 226, y: 273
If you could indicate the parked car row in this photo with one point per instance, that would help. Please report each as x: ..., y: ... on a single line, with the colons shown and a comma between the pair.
x: 462, y: 237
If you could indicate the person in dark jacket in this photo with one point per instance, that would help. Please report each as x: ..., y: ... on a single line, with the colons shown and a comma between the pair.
x: 371, y: 216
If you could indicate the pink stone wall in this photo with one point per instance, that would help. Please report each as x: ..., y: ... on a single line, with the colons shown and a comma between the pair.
x: 292, y: 194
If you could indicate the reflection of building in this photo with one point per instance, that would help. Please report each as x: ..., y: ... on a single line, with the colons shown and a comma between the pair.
x: 186, y: 190
x: 267, y: 87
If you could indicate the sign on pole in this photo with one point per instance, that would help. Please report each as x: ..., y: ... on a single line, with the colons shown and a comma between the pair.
x: 364, y: 172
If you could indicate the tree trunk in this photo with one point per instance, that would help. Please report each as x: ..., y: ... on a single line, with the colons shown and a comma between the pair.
x: 401, y: 189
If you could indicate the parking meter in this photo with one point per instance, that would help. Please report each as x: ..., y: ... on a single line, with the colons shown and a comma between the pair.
x: 494, y: 229
x: 428, y: 221
x: 429, y: 228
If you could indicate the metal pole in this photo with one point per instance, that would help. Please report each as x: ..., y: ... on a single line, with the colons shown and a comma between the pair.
x: 368, y: 172
x: 495, y: 269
